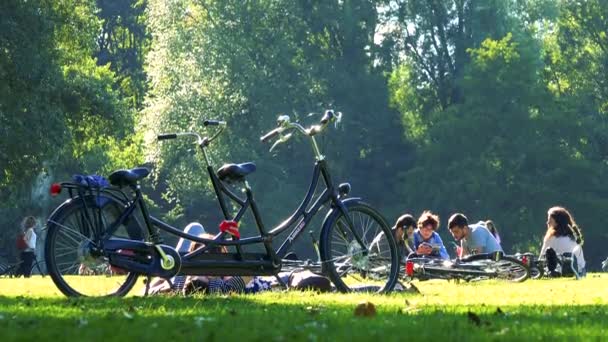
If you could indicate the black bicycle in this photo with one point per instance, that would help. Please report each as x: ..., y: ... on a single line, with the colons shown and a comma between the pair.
x: 536, y: 265
x: 108, y: 229
x: 11, y: 269
x: 471, y: 268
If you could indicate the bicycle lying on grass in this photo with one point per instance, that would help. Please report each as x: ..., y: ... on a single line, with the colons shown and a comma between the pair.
x: 101, y: 227
x: 536, y: 265
x: 568, y: 265
x: 472, y: 268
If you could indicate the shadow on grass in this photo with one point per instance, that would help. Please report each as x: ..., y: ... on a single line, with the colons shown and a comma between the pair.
x: 300, y: 317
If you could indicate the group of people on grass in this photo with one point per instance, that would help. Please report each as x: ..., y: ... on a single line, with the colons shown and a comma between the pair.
x: 563, y: 237
x: 420, y: 237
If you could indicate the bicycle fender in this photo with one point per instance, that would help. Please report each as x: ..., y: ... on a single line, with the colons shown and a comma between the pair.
x: 333, y: 214
x: 335, y: 210
x: 90, y: 199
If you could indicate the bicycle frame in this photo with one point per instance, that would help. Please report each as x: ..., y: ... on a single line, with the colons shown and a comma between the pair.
x: 202, y: 261
x: 475, y: 266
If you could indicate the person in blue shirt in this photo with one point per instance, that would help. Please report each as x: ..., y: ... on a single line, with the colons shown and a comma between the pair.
x: 426, y: 240
x: 474, y: 238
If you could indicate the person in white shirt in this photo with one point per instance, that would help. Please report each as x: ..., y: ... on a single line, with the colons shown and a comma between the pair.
x: 563, y: 236
x: 28, y: 254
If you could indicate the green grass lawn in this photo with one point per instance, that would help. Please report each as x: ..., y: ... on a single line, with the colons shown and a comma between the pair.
x: 563, y: 309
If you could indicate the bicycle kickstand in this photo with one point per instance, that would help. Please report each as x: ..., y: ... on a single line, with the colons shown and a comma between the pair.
x: 148, y: 281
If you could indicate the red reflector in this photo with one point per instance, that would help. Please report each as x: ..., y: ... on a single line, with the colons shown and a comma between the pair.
x: 55, y: 189
x: 409, y: 268
x: 524, y: 259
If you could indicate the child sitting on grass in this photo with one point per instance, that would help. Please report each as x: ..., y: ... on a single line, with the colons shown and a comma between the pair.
x: 426, y: 240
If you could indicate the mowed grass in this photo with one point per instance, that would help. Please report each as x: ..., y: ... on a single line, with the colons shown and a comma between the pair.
x: 556, y: 309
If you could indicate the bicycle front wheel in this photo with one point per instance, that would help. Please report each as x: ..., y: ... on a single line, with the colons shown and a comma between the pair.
x: 74, y: 260
x: 351, y: 266
x: 511, y: 269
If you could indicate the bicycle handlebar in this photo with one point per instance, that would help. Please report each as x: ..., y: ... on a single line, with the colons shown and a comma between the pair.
x: 167, y: 136
x: 284, y: 124
x: 327, y: 117
x: 214, y: 123
x: 271, y: 134
x: 199, y: 140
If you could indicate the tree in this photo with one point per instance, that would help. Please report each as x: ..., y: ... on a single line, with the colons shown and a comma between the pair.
x: 511, y: 147
x: 248, y: 62
x: 123, y: 44
x: 57, y: 106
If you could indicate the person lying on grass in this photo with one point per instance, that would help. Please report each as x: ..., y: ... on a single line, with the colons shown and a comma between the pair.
x: 474, y: 238
x: 188, y: 285
x: 208, y: 284
x: 562, y: 245
x: 426, y: 240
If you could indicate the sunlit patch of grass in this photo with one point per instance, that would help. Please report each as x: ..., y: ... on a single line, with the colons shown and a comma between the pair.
x: 490, y: 310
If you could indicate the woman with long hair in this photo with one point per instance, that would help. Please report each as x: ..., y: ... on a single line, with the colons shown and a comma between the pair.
x: 563, y: 236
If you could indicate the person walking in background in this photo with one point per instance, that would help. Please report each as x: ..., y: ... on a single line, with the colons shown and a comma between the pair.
x: 28, y: 253
x: 492, y: 228
x: 563, y: 237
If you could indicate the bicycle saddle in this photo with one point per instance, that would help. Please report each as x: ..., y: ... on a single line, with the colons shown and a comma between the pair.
x: 122, y: 178
x: 235, y: 172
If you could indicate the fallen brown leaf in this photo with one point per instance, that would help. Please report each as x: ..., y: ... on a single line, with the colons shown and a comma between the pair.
x: 365, y: 309
x: 473, y: 318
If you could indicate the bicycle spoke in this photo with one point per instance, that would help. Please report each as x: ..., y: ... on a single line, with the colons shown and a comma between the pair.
x: 68, y: 229
x: 67, y: 270
x: 362, y: 255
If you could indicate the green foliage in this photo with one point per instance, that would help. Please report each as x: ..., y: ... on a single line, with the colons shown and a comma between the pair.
x: 123, y: 44
x: 60, y: 113
x: 248, y: 62
x: 516, y: 142
x: 494, y: 108
x: 28, y: 90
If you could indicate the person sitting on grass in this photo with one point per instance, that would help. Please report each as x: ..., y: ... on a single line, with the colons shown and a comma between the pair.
x: 403, y: 230
x: 563, y: 240
x: 474, y: 238
x: 426, y: 240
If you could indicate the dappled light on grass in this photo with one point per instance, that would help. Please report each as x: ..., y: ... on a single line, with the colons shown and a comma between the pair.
x: 483, y: 310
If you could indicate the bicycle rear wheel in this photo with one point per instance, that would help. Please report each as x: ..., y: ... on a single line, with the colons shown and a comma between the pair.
x: 39, y: 268
x: 6, y: 269
x: 74, y: 260
x: 373, y: 267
